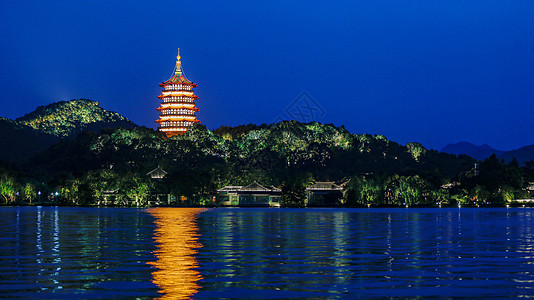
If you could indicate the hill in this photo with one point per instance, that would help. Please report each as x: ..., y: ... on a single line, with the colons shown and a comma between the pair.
x: 19, y: 142
x: 326, y: 151
x: 478, y: 152
x: 522, y: 155
x: 289, y: 155
x: 35, y: 132
x: 69, y: 118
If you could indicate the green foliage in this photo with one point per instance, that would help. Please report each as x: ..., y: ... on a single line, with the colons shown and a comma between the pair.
x: 408, y: 190
x: 7, y: 189
x: 364, y: 190
x: 497, y: 181
x: 290, y: 155
x: 479, y: 194
x: 67, y: 118
x: 29, y: 192
x: 416, y: 150
x: 138, y: 189
x: 506, y: 193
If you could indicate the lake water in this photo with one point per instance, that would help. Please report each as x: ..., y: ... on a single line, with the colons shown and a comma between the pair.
x: 265, y: 253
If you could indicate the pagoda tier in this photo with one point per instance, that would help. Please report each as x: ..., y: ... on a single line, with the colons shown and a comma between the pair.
x: 177, y: 108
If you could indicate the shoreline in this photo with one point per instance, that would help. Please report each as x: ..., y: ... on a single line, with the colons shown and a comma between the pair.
x: 527, y: 205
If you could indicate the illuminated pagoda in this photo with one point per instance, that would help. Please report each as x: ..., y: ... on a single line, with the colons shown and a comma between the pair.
x: 177, y: 109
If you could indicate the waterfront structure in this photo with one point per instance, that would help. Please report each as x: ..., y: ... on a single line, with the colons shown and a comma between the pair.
x: 253, y: 194
x: 324, y: 194
x: 227, y: 196
x: 177, y: 108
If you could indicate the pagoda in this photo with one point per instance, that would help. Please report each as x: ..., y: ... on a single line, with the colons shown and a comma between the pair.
x: 177, y: 109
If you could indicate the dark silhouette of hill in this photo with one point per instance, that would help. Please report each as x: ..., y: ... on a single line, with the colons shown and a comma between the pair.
x: 522, y: 154
x: 36, y: 131
x: 19, y: 142
x: 478, y: 152
x: 482, y: 152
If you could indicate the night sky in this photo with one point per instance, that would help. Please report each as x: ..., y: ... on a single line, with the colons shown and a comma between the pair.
x: 436, y: 72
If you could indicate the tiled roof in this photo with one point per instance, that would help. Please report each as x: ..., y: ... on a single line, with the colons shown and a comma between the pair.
x: 275, y: 189
x: 178, y: 79
x: 324, y: 186
x: 255, y: 187
x: 230, y: 188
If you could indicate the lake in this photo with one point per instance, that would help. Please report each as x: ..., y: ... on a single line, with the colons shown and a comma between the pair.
x: 266, y: 253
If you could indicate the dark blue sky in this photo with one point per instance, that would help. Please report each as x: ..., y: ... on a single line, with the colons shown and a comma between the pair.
x: 430, y: 71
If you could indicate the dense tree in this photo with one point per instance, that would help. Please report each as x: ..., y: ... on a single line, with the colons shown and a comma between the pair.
x: 288, y: 154
x: 29, y: 192
x: 7, y: 189
x: 294, y: 189
x: 363, y: 190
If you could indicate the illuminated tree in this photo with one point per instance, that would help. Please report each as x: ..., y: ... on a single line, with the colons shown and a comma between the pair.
x: 479, y: 194
x: 138, y: 190
x: 29, y: 192
x: 7, y: 189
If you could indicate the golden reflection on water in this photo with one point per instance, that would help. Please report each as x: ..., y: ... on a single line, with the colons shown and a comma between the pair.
x: 176, y: 237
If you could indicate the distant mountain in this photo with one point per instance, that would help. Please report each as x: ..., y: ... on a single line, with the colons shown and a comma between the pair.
x: 482, y: 152
x: 479, y: 152
x: 522, y: 154
x: 69, y: 118
x: 38, y: 130
x: 19, y: 142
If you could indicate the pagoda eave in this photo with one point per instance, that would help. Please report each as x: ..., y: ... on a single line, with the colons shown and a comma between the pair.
x: 194, y: 97
x: 193, y: 85
x: 195, y: 109
x: 184, y: 118
x: 178, y: 81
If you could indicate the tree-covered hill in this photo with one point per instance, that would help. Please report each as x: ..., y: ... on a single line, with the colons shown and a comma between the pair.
x: 69, y: 118
x: 33, y: 133
x: 326, y: 151
x: 100, y: 151
x: 288, y: 154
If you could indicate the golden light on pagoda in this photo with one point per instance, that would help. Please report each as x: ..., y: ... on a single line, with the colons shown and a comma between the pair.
x: 176, y: 237
x: 177, y: 109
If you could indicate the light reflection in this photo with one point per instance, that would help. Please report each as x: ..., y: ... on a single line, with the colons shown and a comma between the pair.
x: 176, y: 237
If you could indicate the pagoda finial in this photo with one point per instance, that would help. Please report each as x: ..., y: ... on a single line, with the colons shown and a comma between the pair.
x: 178, y: 69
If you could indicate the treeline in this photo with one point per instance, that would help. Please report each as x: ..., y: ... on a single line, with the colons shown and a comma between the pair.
x: 290, y: 155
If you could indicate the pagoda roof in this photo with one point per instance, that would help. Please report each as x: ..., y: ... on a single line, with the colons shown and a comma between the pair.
x: 178, y: 79
x: 157, y: 173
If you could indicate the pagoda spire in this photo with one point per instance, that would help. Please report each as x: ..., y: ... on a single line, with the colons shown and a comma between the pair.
x: 178, y: 68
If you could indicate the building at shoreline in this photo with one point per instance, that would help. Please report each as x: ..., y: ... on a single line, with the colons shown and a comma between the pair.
x: 253, y: 194
x: 177, y: 109
x: 324, y: 194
